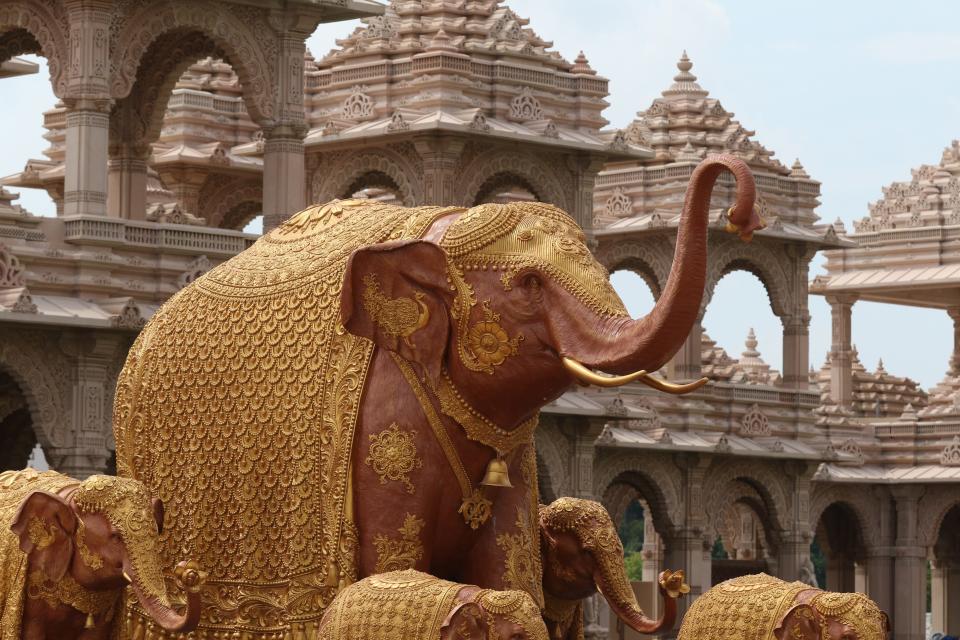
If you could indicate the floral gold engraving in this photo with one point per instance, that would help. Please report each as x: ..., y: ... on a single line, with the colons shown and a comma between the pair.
x: 396, y: 317
x: 396, y: 554
x: 489, y: 343
x: 393, y: 455
x: 521, y: 563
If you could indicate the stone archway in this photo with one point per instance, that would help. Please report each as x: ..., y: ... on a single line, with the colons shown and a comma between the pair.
x: 505, y: 187
x: 840, y: 537
x: 339, y: 176
x: 39, y: 372
x: 230, y: 203
x: 552, y: 456
x: 945, y: 573
x: 526, y: 169
x: 242, y: 35
x: 650, y: 261
x: 754, y: 258
x: 37, y: 27
x: 652, y: 476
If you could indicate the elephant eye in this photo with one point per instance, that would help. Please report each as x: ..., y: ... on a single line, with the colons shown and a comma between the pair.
x: 532, y: 281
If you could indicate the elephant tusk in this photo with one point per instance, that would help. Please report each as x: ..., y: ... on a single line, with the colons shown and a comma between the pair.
x: 127, y: 578
x: 583, y: 374
x: 675, y: 389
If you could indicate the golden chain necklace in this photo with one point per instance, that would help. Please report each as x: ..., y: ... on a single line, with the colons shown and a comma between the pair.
x: 68, y: 592
x: 475, y: 508
x: 479, y: 427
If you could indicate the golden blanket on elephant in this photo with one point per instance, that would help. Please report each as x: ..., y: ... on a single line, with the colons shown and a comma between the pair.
x: 15, y: 486
x: 745, y: 608
x: 237, y: 408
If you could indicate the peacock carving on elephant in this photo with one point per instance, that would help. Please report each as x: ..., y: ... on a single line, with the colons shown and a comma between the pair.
x: 357, y: 393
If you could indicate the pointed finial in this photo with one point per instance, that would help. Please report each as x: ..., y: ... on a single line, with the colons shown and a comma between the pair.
x: 751, y: 344
x: 582, y: 65
x: 685, y: 83
x: 441, y: 40
x: 688, y: 152
x: 797, y: 170
x: 880, y: 369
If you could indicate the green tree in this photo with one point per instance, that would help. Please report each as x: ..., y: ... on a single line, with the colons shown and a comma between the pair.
x: 819, y: 563
x: 634, y: 562
x: 631, y: 528
x: 719, y: 552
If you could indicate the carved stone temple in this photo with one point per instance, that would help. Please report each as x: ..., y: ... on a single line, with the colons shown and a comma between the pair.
x: 177, y: 123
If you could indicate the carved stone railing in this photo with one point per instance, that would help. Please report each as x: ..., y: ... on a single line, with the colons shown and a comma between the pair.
x: 169, y: 238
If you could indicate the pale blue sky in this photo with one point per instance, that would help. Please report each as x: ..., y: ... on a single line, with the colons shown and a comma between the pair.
x: 860, y: 91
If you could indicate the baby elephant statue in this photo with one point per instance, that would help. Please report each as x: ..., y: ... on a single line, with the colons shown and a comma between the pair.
x: 69, y: 548
x: 582, y: 554
x: 410, y: 605
x: 754, y: 607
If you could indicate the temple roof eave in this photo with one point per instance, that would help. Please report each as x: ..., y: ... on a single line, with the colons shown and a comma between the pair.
x: 643, y: 226
x: 567, y: 140
x: 877, y: 474
x: 709, y: 442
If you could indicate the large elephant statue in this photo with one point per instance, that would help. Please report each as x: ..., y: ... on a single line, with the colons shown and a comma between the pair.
x: 582, y: 554
x: 357, y: 393
x: 69, y: 548
x: 759, y: 606
x: 411, y: 604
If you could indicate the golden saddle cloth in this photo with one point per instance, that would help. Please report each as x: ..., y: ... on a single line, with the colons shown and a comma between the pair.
x: 237, y: 408
x: 15, y: 486
x: 745, y: 608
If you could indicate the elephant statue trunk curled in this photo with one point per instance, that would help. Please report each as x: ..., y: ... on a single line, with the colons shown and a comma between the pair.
x: 582, y: 553
x: 759, y: 606
x: 411, y: 604
x: 70, y: 550
x: 358, y: 391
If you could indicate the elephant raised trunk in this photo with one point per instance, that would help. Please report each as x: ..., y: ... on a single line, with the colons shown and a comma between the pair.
x: 153, y: 596
x: 613, y: 583
x: 622, y: 345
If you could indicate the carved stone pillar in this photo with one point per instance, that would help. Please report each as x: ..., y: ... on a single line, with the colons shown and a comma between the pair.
x: 88, y: 108
x: 185, y: 184
x: 584, y: 435
x: 879, y: 560
x: 841, y: 361
x: 440, y: 159
x: 910, y: 567
x: 689, y: 546
x: 954, y: 313
x: 284, y: 177
x: 651, y: 552
x: 127, y: 184
x: 796, y: 350
x: 584, y: 170
x: 284, y: 173
x: 945, y: 595
x: 686, y: 364
x: 88, y: 414
x: 794, y: 552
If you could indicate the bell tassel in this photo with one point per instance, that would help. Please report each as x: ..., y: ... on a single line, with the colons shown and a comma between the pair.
x: 497, y: 474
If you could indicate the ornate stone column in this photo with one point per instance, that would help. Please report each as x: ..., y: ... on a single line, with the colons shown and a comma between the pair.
x: 794, y: 551
x: 127, y: 183
x: 652, y: 551
x: 841, y: 362
x: 945, y: 592
x: 284, y: 174
x: 88, y: 108
x: 689, y: 546
x: 88, y: 413
x: 440, y: 158
x: 910, y: 567
x: 880, y: 553
x: 686, y: 364
x: 954, y: 314
x: 584, y: 170
x: 796, y: 350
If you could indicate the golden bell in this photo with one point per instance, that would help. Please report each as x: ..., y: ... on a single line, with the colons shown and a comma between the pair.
x: 497, y: 474
x: 90, y: 622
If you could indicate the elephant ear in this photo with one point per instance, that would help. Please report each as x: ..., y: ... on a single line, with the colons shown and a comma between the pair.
x: 464, y: 622
x: 799, y: 623
x: 45, y: 525
x: 397, y: 294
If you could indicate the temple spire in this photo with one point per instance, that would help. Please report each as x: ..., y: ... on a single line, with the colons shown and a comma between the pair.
x: 685, y: 83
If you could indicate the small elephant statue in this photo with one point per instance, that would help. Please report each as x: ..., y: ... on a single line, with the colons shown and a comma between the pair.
x: 69, y: 548
x: 412, y: 604
x: 756, y: 606
x: 582, y: 554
